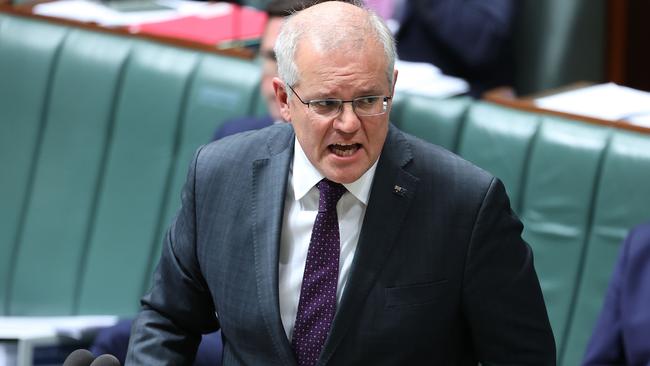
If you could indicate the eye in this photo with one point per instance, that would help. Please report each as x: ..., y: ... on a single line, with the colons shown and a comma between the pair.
x: 366, y: 101
x: 324, y: 103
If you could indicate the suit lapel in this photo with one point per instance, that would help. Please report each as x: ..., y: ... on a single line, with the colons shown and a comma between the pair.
x: 391, y: 195
x: 268, y: 192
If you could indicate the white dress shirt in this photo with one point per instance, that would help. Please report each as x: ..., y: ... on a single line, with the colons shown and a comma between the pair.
x: 300, y: 209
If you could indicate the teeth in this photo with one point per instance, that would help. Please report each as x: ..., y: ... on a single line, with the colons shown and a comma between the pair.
x: 344, y: 150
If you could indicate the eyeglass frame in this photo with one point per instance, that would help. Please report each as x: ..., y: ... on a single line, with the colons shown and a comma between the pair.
x: 340, y: 110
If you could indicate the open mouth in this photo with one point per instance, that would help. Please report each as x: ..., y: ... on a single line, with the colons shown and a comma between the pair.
x: 344, y: 150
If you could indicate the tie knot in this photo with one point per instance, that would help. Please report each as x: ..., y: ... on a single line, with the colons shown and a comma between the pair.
x: 330, y: 193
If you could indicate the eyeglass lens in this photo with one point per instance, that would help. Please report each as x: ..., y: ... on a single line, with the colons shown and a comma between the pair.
x: 364, y: 106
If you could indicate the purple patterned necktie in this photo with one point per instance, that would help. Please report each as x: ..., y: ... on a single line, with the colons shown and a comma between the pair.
x: 317, y: 303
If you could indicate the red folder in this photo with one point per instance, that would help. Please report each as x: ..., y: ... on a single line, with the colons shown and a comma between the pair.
x: 241, y: 23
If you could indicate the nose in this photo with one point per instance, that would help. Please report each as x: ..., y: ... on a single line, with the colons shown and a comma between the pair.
x: 347, y: 121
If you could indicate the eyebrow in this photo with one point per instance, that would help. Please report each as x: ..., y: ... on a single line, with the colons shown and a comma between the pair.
x: 324, y: 96
x: 369, y: 92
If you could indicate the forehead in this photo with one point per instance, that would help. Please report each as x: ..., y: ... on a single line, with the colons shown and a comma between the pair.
x: 361, y: 66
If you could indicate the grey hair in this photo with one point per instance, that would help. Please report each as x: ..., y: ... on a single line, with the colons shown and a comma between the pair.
x: 294, y: 30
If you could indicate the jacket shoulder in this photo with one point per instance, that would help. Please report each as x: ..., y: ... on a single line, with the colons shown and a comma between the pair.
x: 442, y: 164
x: 247, y: 146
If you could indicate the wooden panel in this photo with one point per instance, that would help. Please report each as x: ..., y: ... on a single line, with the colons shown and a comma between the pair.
x: 628, y: 35
x: 616, y: 40
x: 638, y: 53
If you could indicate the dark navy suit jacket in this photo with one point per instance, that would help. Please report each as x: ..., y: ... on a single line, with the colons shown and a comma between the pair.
x: 470, y: 39
x: 622, y: 333
x: 441, y: 275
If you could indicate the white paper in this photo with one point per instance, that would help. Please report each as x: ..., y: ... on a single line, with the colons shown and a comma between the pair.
x: 605, y: 101
x: 27, y: 327
x: 641, y: 120
x: 426, y: 79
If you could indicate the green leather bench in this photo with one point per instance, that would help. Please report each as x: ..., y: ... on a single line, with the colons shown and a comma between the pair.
x: 97, y: 129
x: 578, y: 187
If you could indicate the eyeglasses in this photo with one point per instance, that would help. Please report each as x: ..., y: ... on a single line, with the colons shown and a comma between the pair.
x: 372, y: 105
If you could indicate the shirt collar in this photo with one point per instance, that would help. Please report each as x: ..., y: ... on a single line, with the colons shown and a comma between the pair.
x: 305, y: 176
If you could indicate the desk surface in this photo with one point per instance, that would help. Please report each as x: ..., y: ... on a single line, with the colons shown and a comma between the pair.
x: 505, y: 96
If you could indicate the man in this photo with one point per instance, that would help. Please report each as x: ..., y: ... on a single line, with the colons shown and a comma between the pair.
x: 404, y: 254
x: 621, y: 333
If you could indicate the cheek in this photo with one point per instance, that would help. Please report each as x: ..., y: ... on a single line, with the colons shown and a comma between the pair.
x: 312, y: 134
x: 377, y: 135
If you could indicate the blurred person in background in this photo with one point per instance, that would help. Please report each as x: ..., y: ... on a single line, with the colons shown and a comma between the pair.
x: 276, y: 10
x: 622, y: 333
x: 469, y: 39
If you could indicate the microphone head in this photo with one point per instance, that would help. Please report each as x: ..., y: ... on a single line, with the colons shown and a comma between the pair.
x: 106, y: 360
x: 79, y: 357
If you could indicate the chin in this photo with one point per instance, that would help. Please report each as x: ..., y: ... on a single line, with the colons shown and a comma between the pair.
x: 343, y: 177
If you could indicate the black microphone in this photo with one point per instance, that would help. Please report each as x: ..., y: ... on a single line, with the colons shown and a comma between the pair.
x: 79, y: 357
x: 106, y: 360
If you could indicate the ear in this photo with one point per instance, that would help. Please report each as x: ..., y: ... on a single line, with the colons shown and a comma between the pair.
x: 282, y: 99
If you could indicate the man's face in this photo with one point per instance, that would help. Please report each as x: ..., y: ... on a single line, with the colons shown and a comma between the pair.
x: 343, y: 147
x: 269, y: 65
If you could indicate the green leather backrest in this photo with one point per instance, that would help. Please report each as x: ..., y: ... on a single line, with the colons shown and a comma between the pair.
x: 222, y: 88
x: 556, y: 207
x: 499, y: 140
x: 98, y: 141
x: 144, y: 136
x: 27, y: 54
x: 103, y: 127
x: 438, y: 121
x: 260, y: 108
x: 622, y: 201
x: 71, y: 155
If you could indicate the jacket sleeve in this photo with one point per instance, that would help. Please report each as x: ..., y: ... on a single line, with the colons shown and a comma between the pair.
x: 178, y: 308
x: 502, y: 298
x: 606, y: 344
